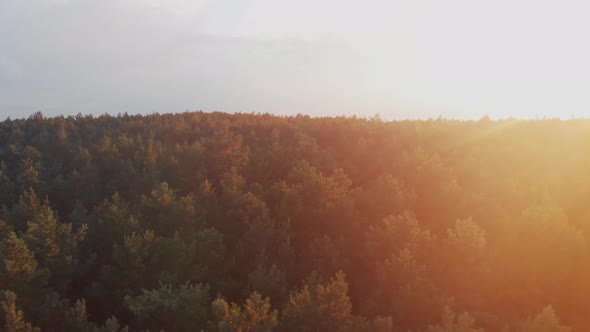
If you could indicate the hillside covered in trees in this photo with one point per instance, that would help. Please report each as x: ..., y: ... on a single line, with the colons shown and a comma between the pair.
x: 242, y: 222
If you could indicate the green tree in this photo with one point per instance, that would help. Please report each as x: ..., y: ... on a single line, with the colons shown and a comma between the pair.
x: 255, y: 315
x: 111, y: 220
x: 77, y: 320
x: 165, y: 213
x: 13, y: 317
x: 452, y: 322
x: 19, y: 271
x: 168, y: 308
x: 55, y: 244
x: 319, y: 307
x: 269, y: 282
x: 405, y: 291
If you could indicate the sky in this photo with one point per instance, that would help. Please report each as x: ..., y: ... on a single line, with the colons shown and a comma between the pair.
x: 408, y: 59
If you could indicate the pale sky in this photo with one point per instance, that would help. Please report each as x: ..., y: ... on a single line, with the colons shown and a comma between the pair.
x: 401, y: 59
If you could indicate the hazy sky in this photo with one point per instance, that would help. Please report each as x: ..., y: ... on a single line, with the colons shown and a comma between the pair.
x: 401, y: 59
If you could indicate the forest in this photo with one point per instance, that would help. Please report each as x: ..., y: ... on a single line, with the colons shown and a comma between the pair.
x: 254, y: 222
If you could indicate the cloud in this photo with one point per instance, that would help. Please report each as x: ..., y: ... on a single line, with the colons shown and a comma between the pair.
x: 9, y: 70
x: 116, y: 56
x: 426, y: 57
x: 55, y: 2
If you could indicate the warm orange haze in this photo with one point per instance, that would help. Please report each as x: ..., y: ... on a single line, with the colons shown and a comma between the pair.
x: 359, y: 166
x: 254, y: 222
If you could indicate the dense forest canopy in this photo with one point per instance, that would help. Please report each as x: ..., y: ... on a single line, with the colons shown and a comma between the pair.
x: 243, y: 222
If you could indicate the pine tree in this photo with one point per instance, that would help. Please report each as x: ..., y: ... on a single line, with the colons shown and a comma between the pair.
x: 255, y: 315
x: 319, y: 307
x: 169, y: 308
x: 19, y: 271
x: 452, y: 322
x: 545, y: 321
x: 13, y: 317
